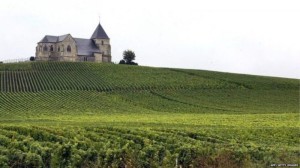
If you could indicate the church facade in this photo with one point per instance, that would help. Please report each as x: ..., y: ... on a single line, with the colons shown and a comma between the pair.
x: 69, y: 48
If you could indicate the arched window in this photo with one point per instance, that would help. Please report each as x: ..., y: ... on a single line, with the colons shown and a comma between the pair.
x: 58, y: 48
x: 51, y: 48
x: 102, y: 42
x: 69, y: 48
x: 45, y: 48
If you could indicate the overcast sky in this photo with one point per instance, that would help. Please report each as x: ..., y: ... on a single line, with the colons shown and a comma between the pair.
x: 242, y: 36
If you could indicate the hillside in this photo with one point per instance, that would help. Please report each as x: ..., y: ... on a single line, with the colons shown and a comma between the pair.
x: 117, y: 115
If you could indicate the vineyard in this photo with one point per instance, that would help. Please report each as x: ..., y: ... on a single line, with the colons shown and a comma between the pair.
x: 63, y: 114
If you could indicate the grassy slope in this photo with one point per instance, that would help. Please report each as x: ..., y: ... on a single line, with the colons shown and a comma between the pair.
x: 235, y: 109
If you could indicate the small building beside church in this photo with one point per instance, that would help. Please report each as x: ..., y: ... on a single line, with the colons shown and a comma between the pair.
x: 69, y: 48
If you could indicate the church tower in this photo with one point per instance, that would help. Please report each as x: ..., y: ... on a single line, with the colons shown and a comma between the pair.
x: 102, y: 41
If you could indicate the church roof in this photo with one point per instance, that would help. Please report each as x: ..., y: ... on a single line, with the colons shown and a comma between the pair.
x: 61, y: 38
x: 49, y: 39
x: 86, y: 47
x: 99, y: 33
x: 53, y: 39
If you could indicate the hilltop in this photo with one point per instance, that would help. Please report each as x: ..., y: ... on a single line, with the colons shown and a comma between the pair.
x: 145, y: 116
x: 160, y: 89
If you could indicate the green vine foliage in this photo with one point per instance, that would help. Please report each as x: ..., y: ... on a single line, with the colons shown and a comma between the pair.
x: 71, y: 114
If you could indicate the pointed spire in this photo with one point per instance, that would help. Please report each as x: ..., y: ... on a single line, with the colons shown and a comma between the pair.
x: 99, y: 33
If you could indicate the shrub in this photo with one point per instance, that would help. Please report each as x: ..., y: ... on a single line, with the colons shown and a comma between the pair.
x: 32, y: 58
x: 3, y: 161
x: 33, y: 160
x: 122, y: 62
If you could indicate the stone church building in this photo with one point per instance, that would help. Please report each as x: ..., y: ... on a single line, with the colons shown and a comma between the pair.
x: 68, y: 48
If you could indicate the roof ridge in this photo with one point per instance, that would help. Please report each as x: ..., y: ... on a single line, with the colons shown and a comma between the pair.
x: 81, y: 38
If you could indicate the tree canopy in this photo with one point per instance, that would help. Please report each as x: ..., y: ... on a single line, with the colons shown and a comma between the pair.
x: 128, y: 57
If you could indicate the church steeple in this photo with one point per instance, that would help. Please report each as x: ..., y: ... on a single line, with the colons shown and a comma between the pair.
x: 102, y: 41
x: 99, y: 33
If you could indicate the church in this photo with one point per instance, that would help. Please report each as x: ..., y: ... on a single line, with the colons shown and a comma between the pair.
x: 69, y: 48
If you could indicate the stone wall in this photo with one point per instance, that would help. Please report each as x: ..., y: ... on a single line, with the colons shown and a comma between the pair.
x: 104, y: 45
x: 98, y: 57
x: 61, y: 51
x: 85, y: 58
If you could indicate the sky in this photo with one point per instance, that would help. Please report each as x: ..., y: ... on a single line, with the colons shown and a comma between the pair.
x: 259, y: 37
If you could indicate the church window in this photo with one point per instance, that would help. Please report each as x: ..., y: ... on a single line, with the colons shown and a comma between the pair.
x: 69, y: 48
x: 51, y: 48
x: 45, y: 48
x: 58, y: 48
x: 102, y: 42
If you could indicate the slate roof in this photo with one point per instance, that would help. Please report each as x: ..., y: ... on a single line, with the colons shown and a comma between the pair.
x: 99, y: 33
x: 49, y: 39
x: 61, y: 38
x: 86, y: 47
x: 53, y: 39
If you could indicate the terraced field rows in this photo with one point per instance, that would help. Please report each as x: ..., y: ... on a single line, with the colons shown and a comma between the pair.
x: 61, y: 114
x: 36, y: 77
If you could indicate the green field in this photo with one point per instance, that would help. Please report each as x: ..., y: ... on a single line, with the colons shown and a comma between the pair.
x: 62, y: 114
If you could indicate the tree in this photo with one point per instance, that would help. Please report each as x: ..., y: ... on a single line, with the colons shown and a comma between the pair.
x: 128, y: 56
